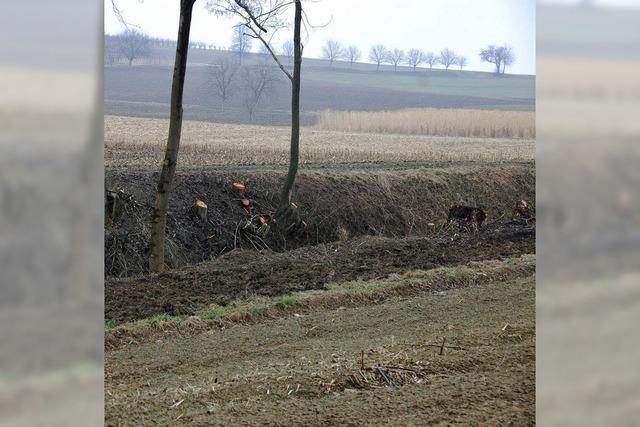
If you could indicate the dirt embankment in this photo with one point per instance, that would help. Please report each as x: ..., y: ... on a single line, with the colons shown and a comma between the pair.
x: 244, y: 273
x: 335, y: 204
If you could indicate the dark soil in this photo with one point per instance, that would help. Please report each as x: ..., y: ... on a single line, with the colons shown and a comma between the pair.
x: 244, y: 273
x: 334, y: 203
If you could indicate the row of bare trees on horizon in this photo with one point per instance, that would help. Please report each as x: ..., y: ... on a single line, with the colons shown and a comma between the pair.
x: 500, y: 56
x: 132, y: 44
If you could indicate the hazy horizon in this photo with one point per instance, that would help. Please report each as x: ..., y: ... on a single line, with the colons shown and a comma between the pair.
x: 462, y: 25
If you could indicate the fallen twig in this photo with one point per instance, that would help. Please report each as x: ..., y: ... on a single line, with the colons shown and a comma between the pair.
x: 401, y: 368
x: 384, y: 376
x: 453, y: 347
x: 235, y: 236
x: 176, y: 404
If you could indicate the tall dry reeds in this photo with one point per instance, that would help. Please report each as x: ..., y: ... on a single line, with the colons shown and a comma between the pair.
x: 433, y: 121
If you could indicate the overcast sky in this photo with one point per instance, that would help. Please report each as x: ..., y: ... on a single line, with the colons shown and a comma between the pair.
x: 462, y: 25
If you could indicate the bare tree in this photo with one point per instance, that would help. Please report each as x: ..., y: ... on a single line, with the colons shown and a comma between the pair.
x: 461, y: 61
x: 332, y: 51
x: 415, y: 57
x: 352, y: 53
x: 222, y: 78
x: 258, y: 82
x: 377, y: 55
x: 240, y: 42
x: 447, y: 58
x: 493, y: 55
x: 508, y: 57
x: 159, y: 220
x: 431, y: 59
x: 134, y: 44
x: 287, y: 50
x: 500, y: 56
x: 395, y: 57
x: 259, y: 17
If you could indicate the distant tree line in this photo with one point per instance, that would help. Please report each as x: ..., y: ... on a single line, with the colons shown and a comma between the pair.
x: 132, y: 45
x: 500, y: 56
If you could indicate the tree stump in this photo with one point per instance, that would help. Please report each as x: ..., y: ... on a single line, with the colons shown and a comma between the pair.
x: 201, y: 210
x: 112, y: 205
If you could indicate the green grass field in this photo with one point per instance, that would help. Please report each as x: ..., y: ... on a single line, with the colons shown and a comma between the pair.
x: 452, y: 82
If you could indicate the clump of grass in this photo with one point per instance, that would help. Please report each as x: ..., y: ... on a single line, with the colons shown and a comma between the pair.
x: 110, y: 324
x: 285, y: 302
x: 258, y: 311
x: 214, y: 313
x: 433, y: 121
x: 158, y: 320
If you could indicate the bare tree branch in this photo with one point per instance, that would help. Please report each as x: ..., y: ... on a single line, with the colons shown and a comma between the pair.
x: 272, y: 53
x: 120, y: 16
x: 256, y: 20
x: 242, y: 5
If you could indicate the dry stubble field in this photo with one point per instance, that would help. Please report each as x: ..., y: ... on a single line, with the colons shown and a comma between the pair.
x: 139, y: 142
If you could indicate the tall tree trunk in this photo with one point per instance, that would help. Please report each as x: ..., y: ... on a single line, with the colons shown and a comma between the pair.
x: 159, y: 221
x: 285, y: 198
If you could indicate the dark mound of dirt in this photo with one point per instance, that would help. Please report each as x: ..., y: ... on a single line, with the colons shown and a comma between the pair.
x: 243, y: 273
x: 334, y: 203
